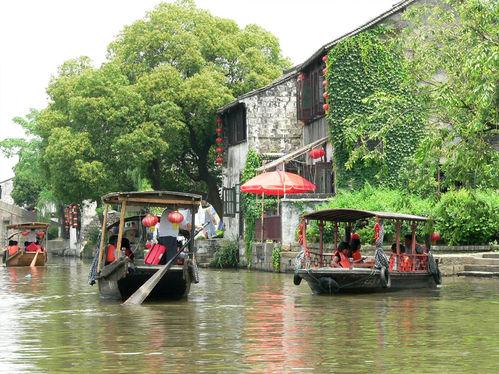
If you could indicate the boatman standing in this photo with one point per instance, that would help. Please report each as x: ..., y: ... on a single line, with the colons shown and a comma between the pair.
x: 167, y: 236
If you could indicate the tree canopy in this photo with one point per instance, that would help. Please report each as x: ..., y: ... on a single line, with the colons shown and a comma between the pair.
x: 149, y: 111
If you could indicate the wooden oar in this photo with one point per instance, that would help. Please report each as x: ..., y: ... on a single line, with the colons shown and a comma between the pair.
x: 33, y: 262
x: 141, y: 294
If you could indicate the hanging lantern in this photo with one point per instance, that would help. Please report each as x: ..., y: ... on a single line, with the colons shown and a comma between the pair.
x: 175, y: 218
x: 301, y: 77
x: 317, y: 153
x: 40, y: 234
x: 325, y: 107
x: 219, y: 160
x: 325, y: 95
x: 149, y: 220
x: 435, y: 236
x: 324, y: 71
x: 219, y: 149
x: 324, y: 58
x: 219, y: 140
x: 219, y: 130
x: 25, y: 233
x: 324, y: 82
x: 219, y: 121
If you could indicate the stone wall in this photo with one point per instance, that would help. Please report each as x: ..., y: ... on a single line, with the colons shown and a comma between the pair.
x: 291, y: 211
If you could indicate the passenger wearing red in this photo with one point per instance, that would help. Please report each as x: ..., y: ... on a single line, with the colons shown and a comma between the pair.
x: 341, y: 256
x: 355, y: 247
x: 393, y: 258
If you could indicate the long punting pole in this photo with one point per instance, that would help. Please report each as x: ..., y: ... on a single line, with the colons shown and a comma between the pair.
x: 321, y: 240
x: 414, y: 225
x: 102, y: 238
x: 398, y: 225
x: 120, y: 232
x: 335, y: 233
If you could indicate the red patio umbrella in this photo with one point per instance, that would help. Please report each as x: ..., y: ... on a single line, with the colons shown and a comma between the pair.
x: 277, y: 183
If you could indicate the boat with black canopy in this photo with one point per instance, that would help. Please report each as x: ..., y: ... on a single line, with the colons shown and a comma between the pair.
x: 334, y: 272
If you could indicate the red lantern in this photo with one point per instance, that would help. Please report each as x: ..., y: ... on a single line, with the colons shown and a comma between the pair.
x: 175, y: 217
x: 219, y: 130
x: 325, y: 107
x: 25, y: 233
x: 317, y: 153
x: 219, y: 150
x: 324, y: 58
x: 324, y: 82
x: 40, y: 234
x: 324, y: 71
x: 149, y: 220
x: 435, y: 236
x: 325, y: 95
x: 219, y: 140
x: 219, y: 160
x: 219, y: 120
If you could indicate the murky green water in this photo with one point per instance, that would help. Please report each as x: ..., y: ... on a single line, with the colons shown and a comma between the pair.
x: 239, y: 321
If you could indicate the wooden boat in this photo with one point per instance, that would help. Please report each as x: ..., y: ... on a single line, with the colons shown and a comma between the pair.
x: 25, y: 241
x: 324, y: 274
x: 122, y: 277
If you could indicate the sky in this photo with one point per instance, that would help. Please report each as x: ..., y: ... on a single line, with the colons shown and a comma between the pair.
x: 37, y: 36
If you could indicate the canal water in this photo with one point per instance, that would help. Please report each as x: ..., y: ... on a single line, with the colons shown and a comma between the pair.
x: 238, y: 321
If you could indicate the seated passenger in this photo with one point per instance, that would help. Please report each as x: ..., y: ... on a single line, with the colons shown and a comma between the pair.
x: 111, y: 249
x: 341, y: 256
x: 399, y: 263
x: 419, y: 251
x: 355, y: 247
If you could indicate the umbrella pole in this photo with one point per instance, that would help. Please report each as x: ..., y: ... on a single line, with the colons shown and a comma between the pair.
x: 263, y: 197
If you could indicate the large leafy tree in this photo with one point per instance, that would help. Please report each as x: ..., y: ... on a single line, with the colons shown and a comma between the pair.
x: 29, y: 182
x: 149, y: 111
x: 454, y: 49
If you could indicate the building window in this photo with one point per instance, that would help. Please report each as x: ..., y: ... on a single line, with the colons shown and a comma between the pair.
x: 230, y: 201
x: 235, y: 124
x: 310, y: 92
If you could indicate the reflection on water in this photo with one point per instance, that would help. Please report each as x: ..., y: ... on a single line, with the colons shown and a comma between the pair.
x: 52, y: 321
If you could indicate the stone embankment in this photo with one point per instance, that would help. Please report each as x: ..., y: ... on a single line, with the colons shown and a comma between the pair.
x: 485, y: 265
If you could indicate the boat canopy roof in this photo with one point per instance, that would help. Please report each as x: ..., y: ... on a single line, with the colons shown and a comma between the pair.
x: 28, y: 226
x: 153, y: 198
x: 350, y: 215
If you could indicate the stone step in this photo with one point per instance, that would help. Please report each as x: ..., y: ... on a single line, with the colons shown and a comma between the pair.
x: 485, y: 261
x: 492, y: 268
x: 485, y: 274
x: 491, y: 255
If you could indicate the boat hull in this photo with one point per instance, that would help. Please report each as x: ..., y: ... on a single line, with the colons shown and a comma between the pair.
x: 123, y: 281
x: 338, y: 280
x: 25, y: 259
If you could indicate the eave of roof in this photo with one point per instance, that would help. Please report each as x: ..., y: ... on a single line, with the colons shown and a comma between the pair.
x: 350, y: 215
x: 321, y: 51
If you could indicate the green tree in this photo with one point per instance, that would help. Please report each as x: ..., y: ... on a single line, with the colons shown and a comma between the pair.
x: 29, y: 181
x: 149, y: 111
x: 454, y: 48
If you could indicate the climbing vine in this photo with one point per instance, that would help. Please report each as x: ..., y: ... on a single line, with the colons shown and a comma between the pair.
x: 251, y: 204
x: 276, y: 258
x: 376, y: 117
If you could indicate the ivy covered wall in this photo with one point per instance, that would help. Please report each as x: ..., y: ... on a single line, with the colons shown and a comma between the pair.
x: 376, y: 116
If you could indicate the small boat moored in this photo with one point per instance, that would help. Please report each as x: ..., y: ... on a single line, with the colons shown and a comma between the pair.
x: 26, y: 244
x: 337, y: 272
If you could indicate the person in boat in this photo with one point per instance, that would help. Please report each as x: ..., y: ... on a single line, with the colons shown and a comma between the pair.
x: 355, y: 248
x: 420, y: 259
x: 341, y: 256
x: 167, y: 236
x: 402, y: 262
x: 111, y: 249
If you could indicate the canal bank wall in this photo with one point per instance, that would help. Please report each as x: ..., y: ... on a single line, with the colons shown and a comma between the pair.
x: 452, y: 259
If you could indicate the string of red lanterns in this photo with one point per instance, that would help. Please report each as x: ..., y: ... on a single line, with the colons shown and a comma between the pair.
x: 325, y: 84
x: 219, y: 140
